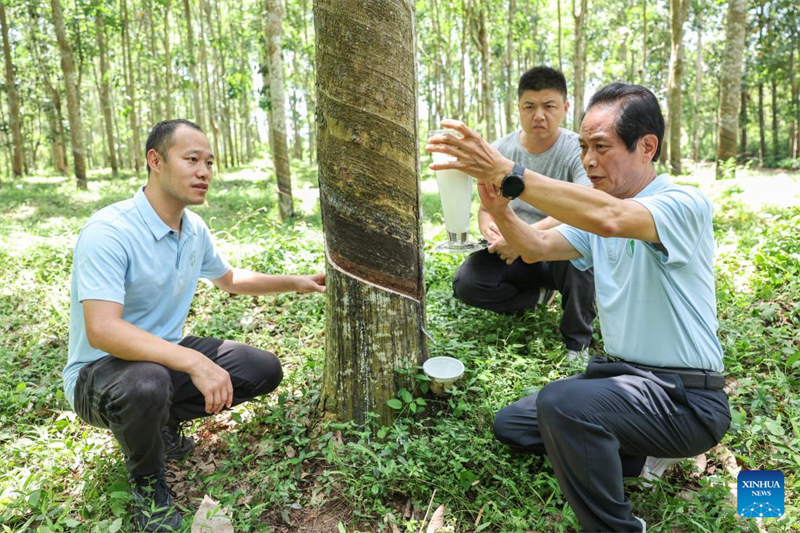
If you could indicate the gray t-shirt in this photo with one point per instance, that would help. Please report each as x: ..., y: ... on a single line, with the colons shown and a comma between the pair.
x: 561, y: 162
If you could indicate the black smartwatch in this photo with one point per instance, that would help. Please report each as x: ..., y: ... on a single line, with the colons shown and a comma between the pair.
x: 514, y: 182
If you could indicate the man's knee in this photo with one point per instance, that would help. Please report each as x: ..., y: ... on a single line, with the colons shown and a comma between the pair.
x: 147, y: 386
x: 557, y: 401
x: 263, y: 370
x: 502, y: 427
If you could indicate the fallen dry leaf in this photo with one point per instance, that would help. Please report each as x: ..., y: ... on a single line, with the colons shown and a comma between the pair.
x: 210, y: 518
x: 437, y: 520
x: 700, y: 463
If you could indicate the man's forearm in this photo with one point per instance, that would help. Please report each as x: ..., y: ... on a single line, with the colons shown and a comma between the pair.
x: 254, y: 283
x: 576, y: 205
x: 524, y: 238
x: 126, y: 341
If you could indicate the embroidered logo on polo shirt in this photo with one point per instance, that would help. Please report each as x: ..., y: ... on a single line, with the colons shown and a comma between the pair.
x: 193, y: 259
x: 630, y: 247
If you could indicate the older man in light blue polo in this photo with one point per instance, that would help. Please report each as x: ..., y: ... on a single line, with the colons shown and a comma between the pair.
x: 135, y: 269
x: 657, y: 394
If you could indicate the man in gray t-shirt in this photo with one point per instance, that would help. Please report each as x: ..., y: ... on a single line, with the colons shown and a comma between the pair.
x: 497, y: 279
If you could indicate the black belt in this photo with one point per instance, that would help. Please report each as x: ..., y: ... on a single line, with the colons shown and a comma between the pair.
x: 692, y: 378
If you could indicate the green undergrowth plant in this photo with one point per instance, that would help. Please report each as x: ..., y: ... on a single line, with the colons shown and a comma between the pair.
x: 276, y: 465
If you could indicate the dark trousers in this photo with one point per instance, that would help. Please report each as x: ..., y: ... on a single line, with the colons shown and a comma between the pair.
x: 135, y: 399
x: 484, y: 280
x: 599, y: 426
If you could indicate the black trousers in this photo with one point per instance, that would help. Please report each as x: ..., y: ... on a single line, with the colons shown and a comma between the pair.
x: 484, y: 280
x: 599, y: 426
x: 135, y: 399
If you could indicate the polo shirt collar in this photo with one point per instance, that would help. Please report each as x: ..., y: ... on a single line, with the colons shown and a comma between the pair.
x: 660, y: 182
x: 151, y: 219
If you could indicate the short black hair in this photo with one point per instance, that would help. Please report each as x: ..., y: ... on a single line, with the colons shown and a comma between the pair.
x: 638, y: 113
x: 161, y: 137
x: 541, y: 78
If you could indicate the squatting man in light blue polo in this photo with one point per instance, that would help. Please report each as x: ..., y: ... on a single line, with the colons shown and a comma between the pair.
x: 657, y: 393
x: 135, y: 270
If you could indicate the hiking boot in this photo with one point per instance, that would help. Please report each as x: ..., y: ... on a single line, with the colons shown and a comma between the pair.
x: 644, y: 524
x: 176, y: 445
x: 152, y: 505
x: 654, y: 468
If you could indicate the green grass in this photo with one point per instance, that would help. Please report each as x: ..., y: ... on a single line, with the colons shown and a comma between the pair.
x: 278, y: 467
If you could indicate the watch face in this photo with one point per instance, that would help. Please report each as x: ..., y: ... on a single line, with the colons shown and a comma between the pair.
x: 512, y: 186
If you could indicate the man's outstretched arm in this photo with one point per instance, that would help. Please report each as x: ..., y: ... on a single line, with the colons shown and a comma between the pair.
x: 243, y: 281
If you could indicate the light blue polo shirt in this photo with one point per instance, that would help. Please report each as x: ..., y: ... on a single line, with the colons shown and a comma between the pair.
x: 656, y: 302
x: 126, y: 254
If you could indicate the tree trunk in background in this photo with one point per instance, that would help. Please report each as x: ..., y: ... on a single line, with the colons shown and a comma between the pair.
x: 743, y: 122
x: 370, y: 197
x: 698, y: 86
x: 73, y: 109
x: 210, y: 105
x: 105, y: 91
x: 13, y: 97
x: 168, y: 63
x: 560, y: 62
x: 678, y: 10
x: 762, y: 134
x: 511, y: 95
x: 481, y: 35
x: 227, y: 134
x: 643, y: 70
x: 794, y: 128
x: 462, y: 65
x: 130, y: 91
x: 774, y: 99
x: 730, y: 83
x: 196, y: 105
x: 277, y: 122
x: 579, y: 62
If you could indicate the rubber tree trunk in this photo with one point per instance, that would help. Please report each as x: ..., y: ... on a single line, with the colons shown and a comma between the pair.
x: 13, y: 97
x: 730, y: 83
x: 73, y: 107
x: 370, y: 199
x: 579, y: 62
x: 105, y: 92
x: 196, y: 106
x: 130, y: 92
x: 277, y: 109
x: 678, y: 11
x: 698, y: 92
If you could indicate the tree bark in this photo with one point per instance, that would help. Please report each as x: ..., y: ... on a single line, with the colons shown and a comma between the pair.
x: 210, y: 104
x: 730, y: 82
x: 579, y: 62
x: 560, y: 54
x: 794, y: 128
x: 698, y: 86
x: 481, y: 36
x: 13, y: 98
x: 643, y: 69
x: 105, y: 91
x: 73, y: 109
x: 369, y: 192
x: 130, y: 92
x: 743, y: 122
x: 196, y: 104
x: 511, y: 96
x: 762, y: 134
x: 774, y: 99
x: 678, y: 11
x: 277, y: 122
x: 168, y: 63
